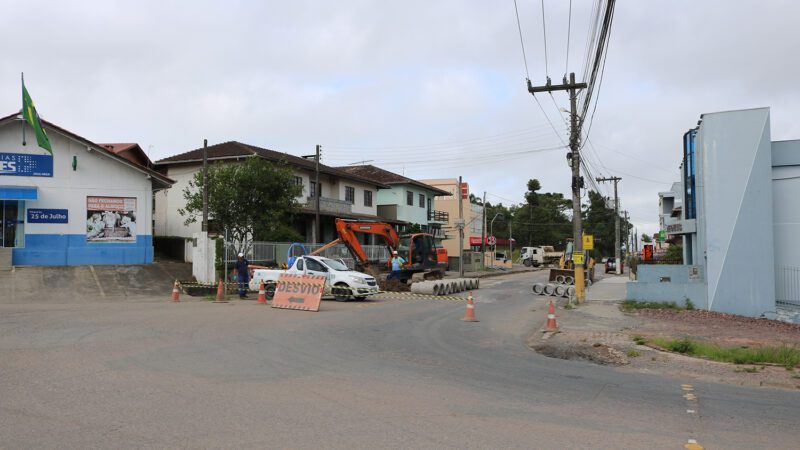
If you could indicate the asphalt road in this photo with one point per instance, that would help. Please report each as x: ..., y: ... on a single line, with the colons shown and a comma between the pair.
x: 397, y: 373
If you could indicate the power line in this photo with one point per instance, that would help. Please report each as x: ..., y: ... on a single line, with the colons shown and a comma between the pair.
x: 544, y: 32
x: 521, y: 42
x: 499, y: 136
x: 569, y: 29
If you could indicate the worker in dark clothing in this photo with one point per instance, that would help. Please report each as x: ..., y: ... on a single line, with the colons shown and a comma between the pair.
x: 242, y: 272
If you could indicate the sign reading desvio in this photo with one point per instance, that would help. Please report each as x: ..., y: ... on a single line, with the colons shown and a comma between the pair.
x: 25, y: 165
x: 48, y: 216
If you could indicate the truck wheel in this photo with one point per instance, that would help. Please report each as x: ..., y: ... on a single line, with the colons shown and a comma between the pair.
x: 341, y: 297
x: 527, y: 262
x: 536, y: 264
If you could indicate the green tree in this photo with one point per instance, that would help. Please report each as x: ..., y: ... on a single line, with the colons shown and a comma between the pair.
x: 646, y: 238
x: 251, y: 200
x: 599, y: 222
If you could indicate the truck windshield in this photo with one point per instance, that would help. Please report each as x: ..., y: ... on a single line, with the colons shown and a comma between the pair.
x: 333, y: 264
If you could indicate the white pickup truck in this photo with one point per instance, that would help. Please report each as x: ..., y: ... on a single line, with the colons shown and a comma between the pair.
x: 360, y: 284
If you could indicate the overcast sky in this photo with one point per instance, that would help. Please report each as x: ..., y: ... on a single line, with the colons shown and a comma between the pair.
x: 430, y: 89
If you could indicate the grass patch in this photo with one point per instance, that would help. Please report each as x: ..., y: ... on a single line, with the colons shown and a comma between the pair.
x: 631, y: 305
x: 569, y: 306
x: 633, y: 353
x: 785, y: 355
x: 796, y: 377
x: 639, y: 340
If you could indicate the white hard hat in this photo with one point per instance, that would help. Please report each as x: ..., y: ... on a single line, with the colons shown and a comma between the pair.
x: 241, y: 255
x: 394, y: 252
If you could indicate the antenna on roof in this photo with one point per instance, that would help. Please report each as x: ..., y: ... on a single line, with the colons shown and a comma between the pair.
x: 361, y: 162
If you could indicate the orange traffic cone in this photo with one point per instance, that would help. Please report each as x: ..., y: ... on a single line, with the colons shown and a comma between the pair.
x: 220, y: 293
x: 262, y: 294
x: 469, y: 314
x: 551, y: 318
x: 176, y: 294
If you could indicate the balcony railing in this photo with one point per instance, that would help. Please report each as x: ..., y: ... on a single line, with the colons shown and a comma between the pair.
x: 438, y: 216
x: 330, y: 205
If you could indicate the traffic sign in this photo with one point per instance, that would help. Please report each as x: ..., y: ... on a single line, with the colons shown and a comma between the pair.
x: 491, y: 240
x: 662, y: 235
x: 588, y: 242
x: 577, y: 258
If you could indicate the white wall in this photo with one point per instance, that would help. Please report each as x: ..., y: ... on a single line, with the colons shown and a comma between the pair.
x: 96, y: 175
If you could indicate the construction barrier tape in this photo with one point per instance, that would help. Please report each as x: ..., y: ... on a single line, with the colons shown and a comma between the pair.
x: 336, y: 291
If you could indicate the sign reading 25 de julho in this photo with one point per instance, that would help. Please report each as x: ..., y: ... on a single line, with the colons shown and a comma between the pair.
x: 26, y: 165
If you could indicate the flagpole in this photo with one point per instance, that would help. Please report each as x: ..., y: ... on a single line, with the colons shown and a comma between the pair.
x: 22, y: 78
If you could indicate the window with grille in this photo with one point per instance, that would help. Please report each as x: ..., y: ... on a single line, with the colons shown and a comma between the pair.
x: 349, y: 194
x: 367, y: 198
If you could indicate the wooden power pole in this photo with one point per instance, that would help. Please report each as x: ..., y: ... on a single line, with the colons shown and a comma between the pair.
x: 575, y: 163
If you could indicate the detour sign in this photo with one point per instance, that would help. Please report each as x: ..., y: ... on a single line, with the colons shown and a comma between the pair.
x: 302, y: 292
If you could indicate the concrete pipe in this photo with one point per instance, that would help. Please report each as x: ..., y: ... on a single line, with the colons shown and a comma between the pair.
x: 588, y: 282
x: 549, y: 289
x: 538, y: 288
x: 471, y: 282
x: 569, y: 280
x: 571, y: 291
x: 440, y: 288
x: 463, y: 283
x: 454, y: 287
x: 445, y: 289
x: 560, y: 279
x: 422, y: 288
x: 436, y: 288
x: 477, y: 283
x: 559, y: 290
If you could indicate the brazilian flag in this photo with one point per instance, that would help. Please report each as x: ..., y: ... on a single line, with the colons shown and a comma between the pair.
x: 32, y: 117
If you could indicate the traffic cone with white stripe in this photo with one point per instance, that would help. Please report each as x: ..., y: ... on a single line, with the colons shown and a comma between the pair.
x: 176, y: 294
x: 469, y: 314
x: 220, y: 293
x: 551, y: 318
x: 262, y: 294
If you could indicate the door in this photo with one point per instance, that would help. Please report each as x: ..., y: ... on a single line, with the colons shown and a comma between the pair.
x: 13, y: 223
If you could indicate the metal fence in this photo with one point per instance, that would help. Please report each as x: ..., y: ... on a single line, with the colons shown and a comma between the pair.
x: 787, y: 288
x: 276, y: 253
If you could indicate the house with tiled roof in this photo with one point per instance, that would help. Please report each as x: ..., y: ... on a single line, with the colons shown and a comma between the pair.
x: 80, y: 204
x: 406, y: 200
x: 342, y: 194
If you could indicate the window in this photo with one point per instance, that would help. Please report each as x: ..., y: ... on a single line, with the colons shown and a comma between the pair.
x: 367, y: 198
x: 430, y: 205
x: 298, y: 180
x: 421, y: 200
x: 299, y: 264
x: 690, y: 201
x: 409, y: 198
x: 312, y: 189
x: 314, y: 266
x: 349, y: 194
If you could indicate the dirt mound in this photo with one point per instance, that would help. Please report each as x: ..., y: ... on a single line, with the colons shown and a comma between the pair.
x: 722, y: 326
x: 597, y: 353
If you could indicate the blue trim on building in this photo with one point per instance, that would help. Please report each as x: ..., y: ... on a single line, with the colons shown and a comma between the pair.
x: 19, y: 193
x: 73, y: 250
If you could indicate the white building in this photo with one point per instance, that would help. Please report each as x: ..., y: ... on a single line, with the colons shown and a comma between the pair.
x: 83, y: 204
x: 738, y: 218
x: 342, y: 194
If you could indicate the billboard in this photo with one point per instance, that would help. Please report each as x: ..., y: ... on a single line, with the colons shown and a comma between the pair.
x: 111, y: 219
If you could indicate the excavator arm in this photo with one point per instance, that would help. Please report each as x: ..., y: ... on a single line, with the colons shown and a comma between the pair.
x: 347, y: 235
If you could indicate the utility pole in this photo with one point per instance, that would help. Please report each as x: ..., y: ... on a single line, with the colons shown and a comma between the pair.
x: 318, y: 189
x: 616, y: 221
x: 460, y: 229
x: 575, y: 163
x: 204, y: 223
x: 483, y: 231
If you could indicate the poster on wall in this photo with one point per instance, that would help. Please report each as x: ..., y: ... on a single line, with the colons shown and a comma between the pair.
x: 111, y: 219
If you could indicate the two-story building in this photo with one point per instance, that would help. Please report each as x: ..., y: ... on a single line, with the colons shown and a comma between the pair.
x: 406, y: 200
x: 342, y: 194
x: 448, y: 203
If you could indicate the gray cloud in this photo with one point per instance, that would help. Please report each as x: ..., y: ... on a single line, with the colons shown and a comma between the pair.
x: 353, y: 74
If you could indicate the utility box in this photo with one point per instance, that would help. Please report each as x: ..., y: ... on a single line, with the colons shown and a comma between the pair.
x: 473, y: 262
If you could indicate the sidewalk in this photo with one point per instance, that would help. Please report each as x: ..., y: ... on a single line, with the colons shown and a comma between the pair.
x: 600, y: 332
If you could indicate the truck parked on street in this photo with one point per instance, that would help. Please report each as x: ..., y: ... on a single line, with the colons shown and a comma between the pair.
x: 539, y: 256
x: 352, y: 284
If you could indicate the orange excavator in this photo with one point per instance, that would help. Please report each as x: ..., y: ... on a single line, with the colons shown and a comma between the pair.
x: 419, y: 250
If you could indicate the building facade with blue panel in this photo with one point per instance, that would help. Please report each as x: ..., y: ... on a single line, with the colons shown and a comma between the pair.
x: 81, y: 205
x: 738, y: 216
